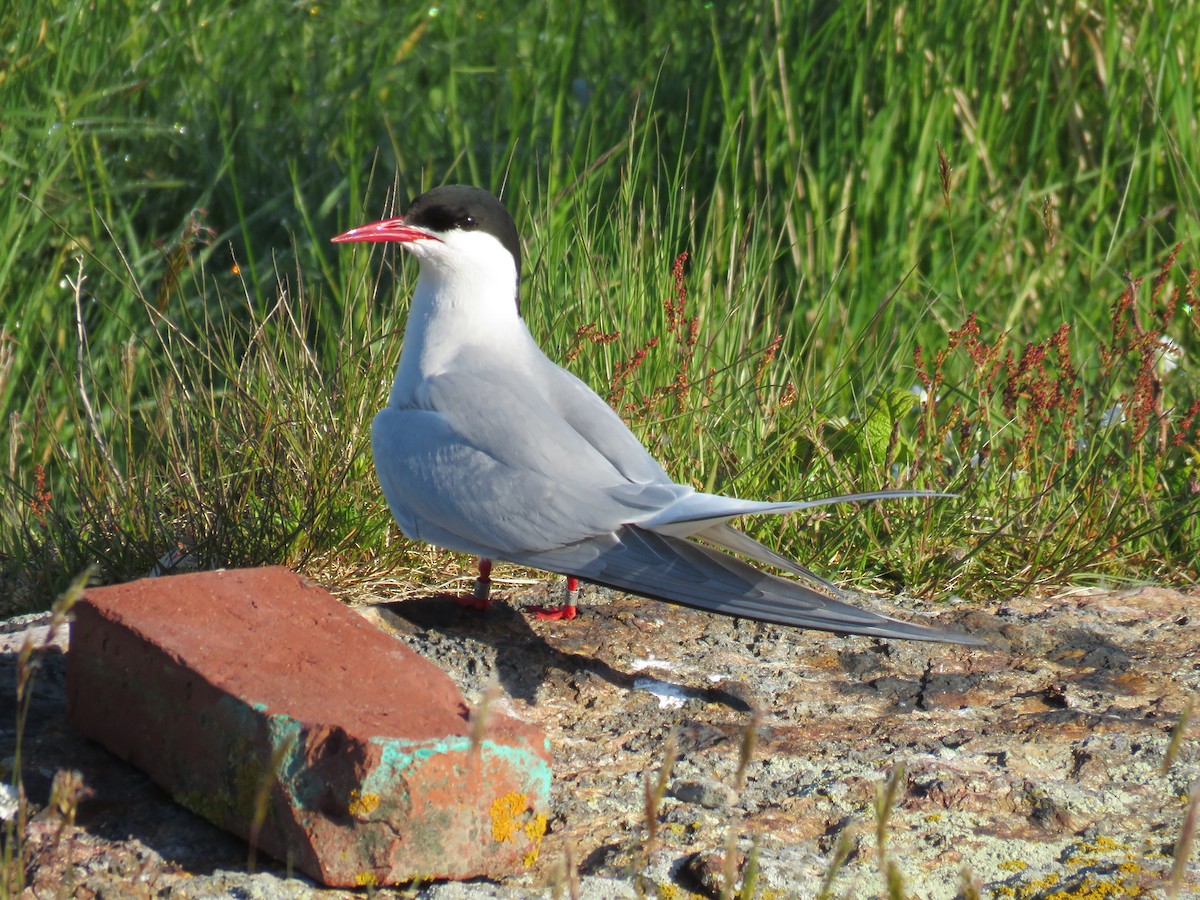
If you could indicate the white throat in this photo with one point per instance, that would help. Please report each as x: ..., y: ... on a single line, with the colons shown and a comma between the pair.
x: 466, y: 296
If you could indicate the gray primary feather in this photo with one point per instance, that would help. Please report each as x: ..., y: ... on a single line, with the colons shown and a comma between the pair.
x: 680, y: 571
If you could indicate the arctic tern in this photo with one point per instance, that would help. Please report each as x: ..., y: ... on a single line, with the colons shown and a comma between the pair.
x: 487, y: 447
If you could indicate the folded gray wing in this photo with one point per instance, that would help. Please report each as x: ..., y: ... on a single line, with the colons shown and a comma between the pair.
x: 529, y: 464
x: 446, y: 490
x: 597, y: 423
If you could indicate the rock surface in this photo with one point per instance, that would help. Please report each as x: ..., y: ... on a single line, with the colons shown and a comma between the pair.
x: 1034, y: 766
x: 261, y: 702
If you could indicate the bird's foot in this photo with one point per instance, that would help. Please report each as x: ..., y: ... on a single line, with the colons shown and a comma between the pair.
x: 470, y: 601
x: 567, y: 611
x: 555, y: 613
x: 481, y: 597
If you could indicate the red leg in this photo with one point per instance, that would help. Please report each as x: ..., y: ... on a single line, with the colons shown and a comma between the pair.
x: 480, y: 598
x: 567, y: 610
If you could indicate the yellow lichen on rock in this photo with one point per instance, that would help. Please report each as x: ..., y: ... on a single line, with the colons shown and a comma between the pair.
x: 362, y: 805
x: 508, y: 813
x: 535, y: 830
x: 505, y: 813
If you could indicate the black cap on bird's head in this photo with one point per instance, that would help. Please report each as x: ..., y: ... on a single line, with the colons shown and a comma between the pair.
x: 467, y: 209
x: 442, y: 211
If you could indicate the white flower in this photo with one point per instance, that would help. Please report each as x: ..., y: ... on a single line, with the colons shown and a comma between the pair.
x: 1170, y: 355
x: 1114, y: 415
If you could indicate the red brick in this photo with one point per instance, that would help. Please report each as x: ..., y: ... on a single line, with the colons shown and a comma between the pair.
x: 219, y: 683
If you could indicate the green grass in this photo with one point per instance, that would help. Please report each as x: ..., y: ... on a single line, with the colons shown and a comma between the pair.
x: 175, y: 175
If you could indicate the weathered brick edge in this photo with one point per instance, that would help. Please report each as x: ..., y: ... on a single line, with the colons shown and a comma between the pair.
x: 347, y: 807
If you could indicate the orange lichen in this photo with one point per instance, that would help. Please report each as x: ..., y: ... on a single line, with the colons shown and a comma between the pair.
x: 512, y: 816
x: 506, y: 811
x: 535, y: 830
x: 362, y: 805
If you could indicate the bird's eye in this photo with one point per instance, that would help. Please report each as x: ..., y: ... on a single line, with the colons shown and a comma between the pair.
x: 468, y: 222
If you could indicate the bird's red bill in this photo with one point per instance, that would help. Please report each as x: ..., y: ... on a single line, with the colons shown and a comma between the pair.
x: 388, y: 231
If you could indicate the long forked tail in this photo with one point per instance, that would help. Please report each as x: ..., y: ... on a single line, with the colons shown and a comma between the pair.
x: 694, y: 512
x: 677, y: 570
x: 705, y: 517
